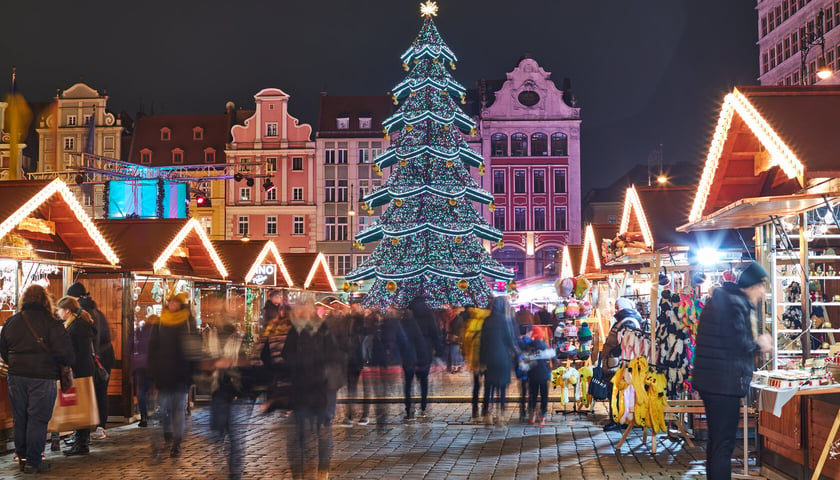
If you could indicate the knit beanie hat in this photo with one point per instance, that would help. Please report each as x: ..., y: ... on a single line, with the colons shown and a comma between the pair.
x: 584, y: 334
x: 752, y: 275
x: 77, y: 290
x: 624, y: 303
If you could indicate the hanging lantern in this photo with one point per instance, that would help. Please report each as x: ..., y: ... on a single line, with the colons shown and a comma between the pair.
x: 398, y: 202
x: 458, y: 239
x: 452, y: 64
x: 391, y: 286
x: 403, y: 163
x: 482, y: 169
x: 405, y: 67
x: 449, y: 163
x: 395, y: 241
x: 491, y: 206
x: 463, y: 285
x: 452, y: 202
x: 346, y: 287
x: 500, y: 244
x: 463, y: 99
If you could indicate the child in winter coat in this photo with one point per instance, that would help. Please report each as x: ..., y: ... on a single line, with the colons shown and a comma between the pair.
x: 539, y: 373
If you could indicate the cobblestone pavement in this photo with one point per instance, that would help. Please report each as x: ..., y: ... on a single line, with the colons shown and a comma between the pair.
x: 446, y: 445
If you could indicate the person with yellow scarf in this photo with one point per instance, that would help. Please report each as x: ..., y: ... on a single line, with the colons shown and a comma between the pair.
x: 471, y: 346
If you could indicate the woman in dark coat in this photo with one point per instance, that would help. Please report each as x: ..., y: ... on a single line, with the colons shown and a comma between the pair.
x: 33, y: 371
x: 497, y: 351
x: 79, y: 325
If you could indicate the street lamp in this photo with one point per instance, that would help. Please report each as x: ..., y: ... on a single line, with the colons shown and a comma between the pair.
x: 809, y: 41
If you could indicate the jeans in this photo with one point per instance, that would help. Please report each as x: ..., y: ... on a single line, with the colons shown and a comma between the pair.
x: 722, y: 413
x: 32, y: 401
x: 534, y: 387
x: 422, y: 374
x: 172, y: 415
x: 142, y: 383
x: 498, y: 391
x: 229, y: 418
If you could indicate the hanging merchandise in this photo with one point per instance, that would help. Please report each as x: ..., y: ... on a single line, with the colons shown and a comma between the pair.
x: 675, y: 333
x: 623, y: 396
x: 585, y: 379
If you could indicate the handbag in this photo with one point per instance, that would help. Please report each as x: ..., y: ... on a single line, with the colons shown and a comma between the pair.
x: 102, y: 375
x: 75, y: 408
x: 65, y: 382
x: 598, y: 388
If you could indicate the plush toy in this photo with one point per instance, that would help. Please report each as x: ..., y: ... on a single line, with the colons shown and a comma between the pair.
x: 566, y: 287
x: 571, y: 382
x: 582, y: 286
x: 655, y: 385
x: 585, y: 378
x: 557, y: 381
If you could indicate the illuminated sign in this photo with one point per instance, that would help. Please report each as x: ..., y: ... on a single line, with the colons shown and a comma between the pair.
x: 266, y: 275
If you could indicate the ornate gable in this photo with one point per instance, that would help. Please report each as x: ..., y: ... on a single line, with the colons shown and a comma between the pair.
x: 529, y: 92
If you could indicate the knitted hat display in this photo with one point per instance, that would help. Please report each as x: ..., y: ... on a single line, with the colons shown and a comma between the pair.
x: 566, y: 287
x: 581, y: 287
x: 585, y: 333
x: 752, y: 275
x: 572, y: 309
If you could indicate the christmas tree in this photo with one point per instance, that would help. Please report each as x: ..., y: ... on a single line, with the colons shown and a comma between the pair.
x: 430, y: 232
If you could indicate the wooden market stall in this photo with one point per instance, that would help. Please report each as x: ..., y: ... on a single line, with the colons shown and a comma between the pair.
x: 45, y: 234
x: 158, y: 257
x: 770, y: 170
x: 310, y: 273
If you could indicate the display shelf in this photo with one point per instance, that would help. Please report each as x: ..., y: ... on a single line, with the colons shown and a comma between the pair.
x: 813, y: 304
x: 815, y: 277
x: 799, y: 352
x: 811, y: 258
x: 813, y: 330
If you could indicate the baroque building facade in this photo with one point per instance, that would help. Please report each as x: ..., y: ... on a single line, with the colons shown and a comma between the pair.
x: 530, y: 140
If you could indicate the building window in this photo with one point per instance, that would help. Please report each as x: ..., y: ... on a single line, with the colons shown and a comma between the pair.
x: 771, y: 21
x: 87, y: 119
x: 499, y: 219
x: 271, y: 225
x: 375, y: 150
x: 271, y: 129
x: 69, y: 143
x: 763, y: 26
x: 539, y: 145
x: 165, y: 134
x: 329, y: 152
x: 245, y: 194
x: 177, y: 156
x: 539, y: 181
x: 207, y: 223
x: 559, y: 145
x: 794, y: 43
x: 765, y: 63
x: 329, y: 191
x: 271, y: 165
x: 546, y: 261
x: 271, y: 195
x: 365, y: 123
x: 342, y: 123
x: 71, y: 120
x: 342, y: 191
x: 297, y: 225
x: 87, y: 199
x: 297, y: 194
x: 341, y: 152
x: 297, y: 163
x: 560, y: 181
x: 787, y: 48
x: 210, y: 156
x: 146, y: 156
x: 518, y: 145
x: 365, y: 221
x: 512, y: 258
x: 243, y: 167
x: 336, y: 228
x: 519, y: 181
x: 498, y: 145
x: 539, y: 218
x: 779, y: 52
x: 519, y: 219
x: 364, y: 152
x: 242, y: 226
x: 498, y: 181
x: 198, y: 133
x: 342, y: 265
x: 560, y: 219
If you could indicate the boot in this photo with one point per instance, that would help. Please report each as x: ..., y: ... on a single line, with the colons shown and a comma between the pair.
x: 77, y: 449
x: 176, y: 451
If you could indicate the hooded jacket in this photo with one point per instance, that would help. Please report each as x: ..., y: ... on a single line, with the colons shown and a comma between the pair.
x: 724, y: 358
x: 497, y: 347
x: 24, y: 355
x: 82, y: 336
x: 102, y: 341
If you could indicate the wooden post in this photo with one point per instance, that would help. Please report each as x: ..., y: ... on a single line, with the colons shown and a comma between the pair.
x: 804, y: 268
x: 828, y: 442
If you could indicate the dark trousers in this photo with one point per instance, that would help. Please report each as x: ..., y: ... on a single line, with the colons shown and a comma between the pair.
x: 534, y: 387
x: 497, y: 391
x: 354, y: 375
x: 101, y: 390
x: 32, y: 401
x: 475, y: 390
x: 422, y: 374
x: 722, y: 412
x: 523, y: 398
x: 229, y: 418
x: 309, y: 441
x: 142, y: 383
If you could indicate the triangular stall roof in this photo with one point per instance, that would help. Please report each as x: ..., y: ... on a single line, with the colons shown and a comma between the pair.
x: 310, y: 271
x: 242, y: 259
x: 47, y: 217
x: 770, y: 143
x: 570, y: 260
x: 656, y: 212
x: 164, y: 247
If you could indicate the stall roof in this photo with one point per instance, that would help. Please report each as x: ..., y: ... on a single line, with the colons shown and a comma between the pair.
x: 48, y: 213
x: 591, y: 261
x: 570, y: 260
x: 769, y: 141
x: 155, y: 246
x: 750, y: 212
x: 243, y: 258
x: 656, y: 212
x: 310, y: 271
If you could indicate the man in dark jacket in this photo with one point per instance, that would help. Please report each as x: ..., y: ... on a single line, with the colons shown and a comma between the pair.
x: 418, y: 341
x: 724, y: 361
x: 103, y: 349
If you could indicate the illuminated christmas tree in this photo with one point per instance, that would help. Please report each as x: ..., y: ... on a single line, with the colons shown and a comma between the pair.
x: 430, y: 232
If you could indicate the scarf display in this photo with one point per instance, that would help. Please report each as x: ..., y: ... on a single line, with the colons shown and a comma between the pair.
x: 676, y: 332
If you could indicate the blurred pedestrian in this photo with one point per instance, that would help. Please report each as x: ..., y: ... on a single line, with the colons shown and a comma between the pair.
x: 419, y: 342
x: 472, y: 352
x: 524, y: 318
x: 171, y: 368
x: 539, y: 373
x: 139, y: 365
x: 454, y: 329
x: 34, y: 345
x: 104, y: 351
x: 274, y: 308
x: 79, y: 325
x: 497, y: 353
x: 308, y: 350
x: 355, y: 366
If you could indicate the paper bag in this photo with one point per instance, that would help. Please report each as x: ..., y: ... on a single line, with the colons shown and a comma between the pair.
x: 75, y: 408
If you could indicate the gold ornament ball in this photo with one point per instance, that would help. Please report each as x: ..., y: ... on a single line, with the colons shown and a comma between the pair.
x: 395, y: 241
x: 435, y: 60
x: 449, y: 163
x: 446, y: 128
x: 346, y: 287
x: 391, y: 286
x: 826, y: 324
x: 452, y: 202
x: 370, y: 211
x: 398, y: 202
x: 379, y: 172
x: 463, y: 285
x: 482, y: 170
x: 500, y: 244
x: 458, y: 240
x: 443, y: 92
x: 473, y: 132
x: 416, y: 61
x: 413, y: 94
x: 396, y: 102
x: 409, y: 128
x: 405, y: 67
x: 403, y: 163
x: 491, y: 206
x: 452, y: 65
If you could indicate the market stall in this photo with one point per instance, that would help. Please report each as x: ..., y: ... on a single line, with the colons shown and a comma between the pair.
x: 310, y: 274
x: 158, y: 257
x: 45, y: 234
x: 769, y: 171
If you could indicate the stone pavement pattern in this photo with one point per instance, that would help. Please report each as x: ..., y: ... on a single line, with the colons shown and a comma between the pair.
x: 447, y: 445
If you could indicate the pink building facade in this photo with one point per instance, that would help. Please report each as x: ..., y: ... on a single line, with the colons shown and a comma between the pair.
x: 273, y: 196
x: 531, y: 143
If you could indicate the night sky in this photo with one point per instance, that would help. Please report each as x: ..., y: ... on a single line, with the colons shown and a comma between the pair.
x: 644, y: 73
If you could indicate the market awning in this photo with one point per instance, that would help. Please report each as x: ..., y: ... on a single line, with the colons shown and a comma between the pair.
x: 751, y: 212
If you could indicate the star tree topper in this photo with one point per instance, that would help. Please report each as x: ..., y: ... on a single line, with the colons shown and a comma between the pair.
x: 428, y: 9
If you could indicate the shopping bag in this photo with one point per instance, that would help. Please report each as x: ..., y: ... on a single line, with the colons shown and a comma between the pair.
x: 598, y: 387
x: 76, y: 408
